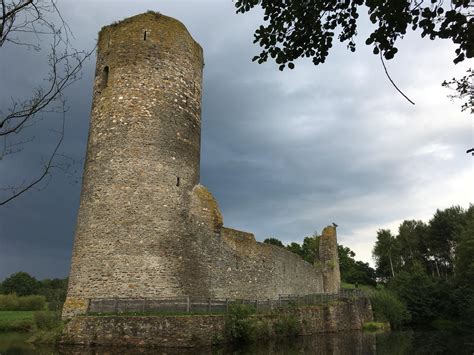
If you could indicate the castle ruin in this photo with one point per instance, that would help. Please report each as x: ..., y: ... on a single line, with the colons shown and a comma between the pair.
x: 146, y: 227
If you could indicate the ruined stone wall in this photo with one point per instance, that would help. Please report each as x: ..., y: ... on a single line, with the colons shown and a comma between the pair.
x: 329, y: 258
x: 200, y: 330
x: 145, y: 227
x: 240, y: 267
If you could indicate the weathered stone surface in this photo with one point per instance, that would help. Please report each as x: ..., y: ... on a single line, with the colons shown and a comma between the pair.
x: 146, y: 227
x: 329, y: 258
x: 199, y: 330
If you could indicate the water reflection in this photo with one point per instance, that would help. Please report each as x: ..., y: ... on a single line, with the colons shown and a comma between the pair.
x: 350, y: 343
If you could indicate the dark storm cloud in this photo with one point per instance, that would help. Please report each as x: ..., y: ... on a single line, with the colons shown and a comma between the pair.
x: 284, y: 153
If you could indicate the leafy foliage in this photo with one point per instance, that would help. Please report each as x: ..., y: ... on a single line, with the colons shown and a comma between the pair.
x: 352, y: 271
x: 239, y: 327
x: 274, y: 241
x: 307, y: 29
x: 23, y: 284
x: 387, y: 307
x: 46, y: 320
x: 430, y: 266
x: 20, y: 283
x: 13, y: 302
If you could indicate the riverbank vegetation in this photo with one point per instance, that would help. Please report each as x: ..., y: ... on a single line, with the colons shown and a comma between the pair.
x: 243, y: 325
x: 430, y: 268
x: 424, y: 275
x: 29, y: 305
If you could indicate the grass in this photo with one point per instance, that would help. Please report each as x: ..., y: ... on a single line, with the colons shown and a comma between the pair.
x: 376, y: 326
x: 16, y: 321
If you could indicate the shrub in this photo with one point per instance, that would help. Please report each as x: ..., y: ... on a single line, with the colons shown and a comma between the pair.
x: 239, y: 326
x: 9, y: 302
x: 32, y: 303
x: 46, y: 320
x: 375, y: 326
x: 12, y: 302
x: 387, y: 307
x: 287, y: 326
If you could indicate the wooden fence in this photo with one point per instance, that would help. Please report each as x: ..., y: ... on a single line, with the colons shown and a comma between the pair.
x: 188, y: 304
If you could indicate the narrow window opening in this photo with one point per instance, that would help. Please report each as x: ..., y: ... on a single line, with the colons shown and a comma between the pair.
x: 177, y: 180
x: 105, y: 78
x: 145, y: 35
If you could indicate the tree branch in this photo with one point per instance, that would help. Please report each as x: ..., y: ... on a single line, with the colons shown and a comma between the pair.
x: 389, y: 78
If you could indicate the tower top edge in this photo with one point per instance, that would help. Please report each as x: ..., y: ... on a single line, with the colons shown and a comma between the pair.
x: 147, y: 18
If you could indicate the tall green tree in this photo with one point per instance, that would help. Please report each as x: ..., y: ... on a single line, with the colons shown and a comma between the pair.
x: 21, y: 283
x: 386, y: 254
x: 354, y: 271
x: 444, y: 234
x: 465, y: 252
x: 412, y: 239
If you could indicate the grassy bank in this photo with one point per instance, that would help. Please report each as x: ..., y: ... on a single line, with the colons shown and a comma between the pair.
x: 43, y: 326
x: 17, y: 321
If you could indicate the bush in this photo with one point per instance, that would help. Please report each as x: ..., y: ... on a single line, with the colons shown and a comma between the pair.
x: 387, y: 307
x: 287, y: 326
x: 46, y: 320
x: 239, y: 326
x: 32, y: 303
x: 12, y: 302
x: 9, y: 302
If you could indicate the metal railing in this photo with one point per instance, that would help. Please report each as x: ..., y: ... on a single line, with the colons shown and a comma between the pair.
x: 188, y: 304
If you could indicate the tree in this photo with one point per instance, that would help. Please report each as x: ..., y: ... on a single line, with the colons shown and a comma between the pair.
x: 353, y: 271
x: 20, y: 283
x: 465, y: 253
x: 386, y: 254
x: 27, y: 23
x: 307, y: 28
x: 274, y: 241
x: 412, y: 239
x: 295, y: 248
x: 310, y: 248
x: 444, y: 234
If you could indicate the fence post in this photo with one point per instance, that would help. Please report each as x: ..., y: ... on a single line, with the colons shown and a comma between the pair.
x: 188, y: 305
x: 88, y: 305
x: 226, y: 305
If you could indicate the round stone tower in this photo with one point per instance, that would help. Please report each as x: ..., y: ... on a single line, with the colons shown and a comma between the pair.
x: 141, y: 166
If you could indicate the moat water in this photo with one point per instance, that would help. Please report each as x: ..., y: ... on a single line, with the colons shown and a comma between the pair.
x: 392, y: 343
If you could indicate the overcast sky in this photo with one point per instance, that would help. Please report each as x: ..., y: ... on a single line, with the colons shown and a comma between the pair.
x: 285, y: 153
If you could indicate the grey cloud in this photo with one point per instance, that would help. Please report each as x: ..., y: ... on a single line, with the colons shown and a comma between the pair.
x: 284, y: 153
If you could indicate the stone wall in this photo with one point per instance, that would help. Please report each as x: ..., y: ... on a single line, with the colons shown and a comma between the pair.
x: 240, y: 267
x: 200, y: 330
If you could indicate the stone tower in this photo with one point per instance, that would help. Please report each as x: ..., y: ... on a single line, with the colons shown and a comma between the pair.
x: 142, y: 163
